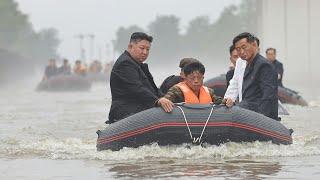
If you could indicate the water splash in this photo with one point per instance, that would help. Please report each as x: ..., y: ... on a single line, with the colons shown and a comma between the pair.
x: 314, y: 103
x: 73, y: 148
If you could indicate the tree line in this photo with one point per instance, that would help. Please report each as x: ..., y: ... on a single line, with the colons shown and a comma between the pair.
x: 21, y: 47
x: 18, y: 36
x: 202, y: 39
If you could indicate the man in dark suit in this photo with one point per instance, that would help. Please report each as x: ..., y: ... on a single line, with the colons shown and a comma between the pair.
x: 233, y: 59
x: 51, y: 70
x: 271, y: 56
x: 259, y: 88
x: 65, y: 69
x: 132, y: 86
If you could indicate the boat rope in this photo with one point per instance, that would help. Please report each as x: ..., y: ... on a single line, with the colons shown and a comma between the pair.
x: 204, y: 128
x: 198, y: 139
x: 185, y: 119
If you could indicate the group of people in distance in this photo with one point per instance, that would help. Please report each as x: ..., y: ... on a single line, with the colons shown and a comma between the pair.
x: 79, y: 68
x: 253, y: 85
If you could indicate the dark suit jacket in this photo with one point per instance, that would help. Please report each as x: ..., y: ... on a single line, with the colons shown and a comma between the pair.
x: 132, y: 88
x: 279, y: 68
x: 229, y: 76
x: 259, y: 88
x: 50, y: 71
x: 169, y: 82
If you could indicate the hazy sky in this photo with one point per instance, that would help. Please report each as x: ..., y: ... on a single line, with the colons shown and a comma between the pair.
x: 103, y: 17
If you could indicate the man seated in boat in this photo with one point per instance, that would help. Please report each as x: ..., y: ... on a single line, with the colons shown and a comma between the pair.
x: 51, y: 70
x: 95, y: 67
x: 65, y: 69
x: 174, y: 79
x: 192, y: 90
x: 79, y: 68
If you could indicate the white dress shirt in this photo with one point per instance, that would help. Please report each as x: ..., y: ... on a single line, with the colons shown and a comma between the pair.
x: 235, y: 86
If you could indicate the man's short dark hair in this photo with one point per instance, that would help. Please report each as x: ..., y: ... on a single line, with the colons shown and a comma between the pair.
x: 139, y: 36
x: 250, y: 38
x: 258, y: 41
x: 186, y: 61
x: 231, y: 49
x: 193, y: 67
x: 271, y: 49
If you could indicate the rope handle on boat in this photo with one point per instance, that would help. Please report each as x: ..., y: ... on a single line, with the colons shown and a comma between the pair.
x: 185, y: 119
x: 198, y: 139
x: 204, y: 128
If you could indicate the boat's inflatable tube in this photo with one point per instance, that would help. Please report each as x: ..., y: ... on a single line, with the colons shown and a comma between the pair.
x: 65, y: 83
x: 219, y: 84
x: 97, y: 77
x: 286, y: 95
x: 289, y: 96
x: 225, y: 124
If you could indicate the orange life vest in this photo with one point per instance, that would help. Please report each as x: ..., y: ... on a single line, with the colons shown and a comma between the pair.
x: 191, y: 98
x: 80, y: 69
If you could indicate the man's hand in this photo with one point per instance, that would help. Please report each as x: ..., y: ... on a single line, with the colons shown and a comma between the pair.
x: 229, y: 102
x: 166, y: 104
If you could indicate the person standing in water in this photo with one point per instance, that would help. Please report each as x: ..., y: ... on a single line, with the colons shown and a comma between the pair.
x: 271, y: 54
x: 259, y: 87
x: 132, y: 86
x: 233, y: 59
x: 234, y: 88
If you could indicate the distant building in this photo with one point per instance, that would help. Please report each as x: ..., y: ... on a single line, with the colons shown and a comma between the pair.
x: 293, y: 28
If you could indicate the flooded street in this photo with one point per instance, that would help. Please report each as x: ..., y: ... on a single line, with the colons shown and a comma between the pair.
x: 52, y: 136
x: 70, y: 44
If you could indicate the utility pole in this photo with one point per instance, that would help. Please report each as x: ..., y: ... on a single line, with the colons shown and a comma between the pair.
x: 91, y: 37
x: 107, y: 51
x: 110, y: 53
x: 100, y: 53
x: 82, y: 50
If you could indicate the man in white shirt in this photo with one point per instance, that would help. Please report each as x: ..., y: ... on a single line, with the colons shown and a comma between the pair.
x: 234, y: 90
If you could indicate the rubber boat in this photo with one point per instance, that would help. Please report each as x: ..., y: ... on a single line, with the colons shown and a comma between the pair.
x: 286, y: 95
x: 289, y: 96
x: 199, y: 124
x: 219, y: 84
x: 97, y: 77
x: 65, y: 83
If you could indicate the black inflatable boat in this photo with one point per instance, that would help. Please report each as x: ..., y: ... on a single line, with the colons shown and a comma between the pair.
x: 65, y: 83
x: 219, y: 84
x: 289, y: 96
x: 97, y: 77
x: 192, y: 124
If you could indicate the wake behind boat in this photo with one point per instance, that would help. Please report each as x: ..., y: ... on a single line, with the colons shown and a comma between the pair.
x: 192, y: 123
